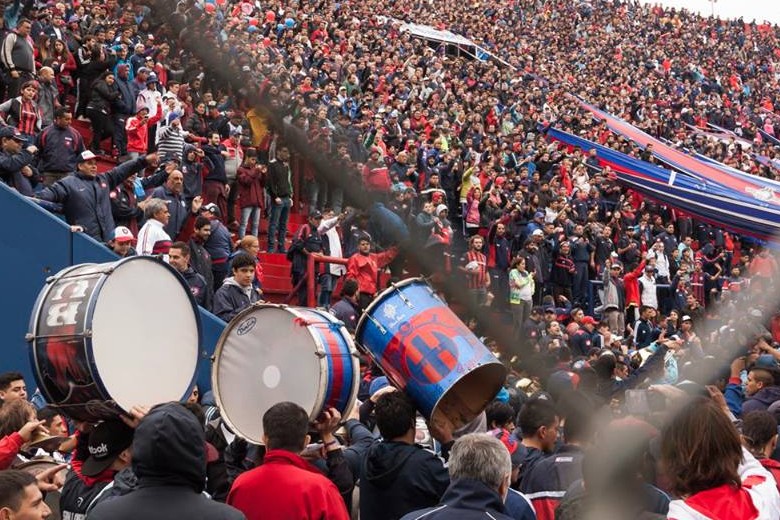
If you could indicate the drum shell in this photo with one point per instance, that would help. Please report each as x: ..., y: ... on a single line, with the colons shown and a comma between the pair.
x: 326, y: 340
x: 427, y: 351
x: 61, y: 328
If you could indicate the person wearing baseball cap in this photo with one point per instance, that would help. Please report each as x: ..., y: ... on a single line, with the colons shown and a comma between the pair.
x: 16, y: 161
x: 99, y: 457
x: 122, y: 242
x: 85, y: 194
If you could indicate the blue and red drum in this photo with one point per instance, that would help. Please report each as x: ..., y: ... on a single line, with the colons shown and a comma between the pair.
x: 426, y: 350
x: 272, y: 353
x: 106, y: 337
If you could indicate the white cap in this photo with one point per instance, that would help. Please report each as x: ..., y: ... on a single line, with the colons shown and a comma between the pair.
x: 123, y: 234
x: 537, y: 233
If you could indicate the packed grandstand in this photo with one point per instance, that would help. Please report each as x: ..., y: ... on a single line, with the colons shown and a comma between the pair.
x: 563, y: 214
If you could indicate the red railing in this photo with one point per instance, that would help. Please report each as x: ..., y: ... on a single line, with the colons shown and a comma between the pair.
x: 310, y: 278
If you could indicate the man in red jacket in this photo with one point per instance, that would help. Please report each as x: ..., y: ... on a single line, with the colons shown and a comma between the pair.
x: 285, y: 486
x: 364, y: 267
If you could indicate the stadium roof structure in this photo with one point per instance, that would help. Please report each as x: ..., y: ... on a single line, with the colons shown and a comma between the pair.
x: 427, y: 32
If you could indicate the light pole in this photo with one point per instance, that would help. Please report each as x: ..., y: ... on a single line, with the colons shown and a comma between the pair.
x: 712, y: 7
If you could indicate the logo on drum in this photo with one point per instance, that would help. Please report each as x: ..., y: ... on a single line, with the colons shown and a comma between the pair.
x: 426, y: 348
x: 245, y: 326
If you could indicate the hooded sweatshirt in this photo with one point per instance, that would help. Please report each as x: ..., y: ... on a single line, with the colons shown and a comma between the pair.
x: 398, y: 478
x: 193, y: 174
x: 169, y: 459
x: 761, y: 399
x: 232, y: 298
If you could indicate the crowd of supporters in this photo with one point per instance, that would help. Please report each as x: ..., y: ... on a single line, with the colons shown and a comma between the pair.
x: 418, y: 157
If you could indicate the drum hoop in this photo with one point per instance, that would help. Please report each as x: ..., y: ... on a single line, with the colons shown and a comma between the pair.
x: 378, y: 299
x: 193, y: 305
x: 321, y: 354
x: 221, y: 342
x: 33, y: 327
x: 89, y: 313
x: 351, y: 345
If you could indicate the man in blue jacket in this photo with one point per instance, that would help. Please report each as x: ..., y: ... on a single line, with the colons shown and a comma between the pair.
x: 480, y: 470
x: 60, y: 146
x: 85, y: 194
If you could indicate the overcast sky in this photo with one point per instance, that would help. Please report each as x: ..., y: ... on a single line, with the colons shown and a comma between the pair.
x: 749, y: 9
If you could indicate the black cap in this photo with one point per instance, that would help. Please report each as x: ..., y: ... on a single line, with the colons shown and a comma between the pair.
x: 11, y: 132
x: 106, y: 442
x: 315, y: 213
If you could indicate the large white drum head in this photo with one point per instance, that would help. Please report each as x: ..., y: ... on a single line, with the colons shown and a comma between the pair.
x: 264, y: 357
x: 145, y: 335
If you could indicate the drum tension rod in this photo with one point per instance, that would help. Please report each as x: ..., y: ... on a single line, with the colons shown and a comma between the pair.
x: 86, y: 334
x: 403, y: 298
x: 378, y: 325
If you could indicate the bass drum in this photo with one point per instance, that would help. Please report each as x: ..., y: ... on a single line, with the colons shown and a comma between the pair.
x: 273, y: 353
x: 426, y: 350
x: 106, y: 337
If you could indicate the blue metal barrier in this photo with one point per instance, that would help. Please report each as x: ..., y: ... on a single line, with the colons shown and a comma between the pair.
x: 35, y: 245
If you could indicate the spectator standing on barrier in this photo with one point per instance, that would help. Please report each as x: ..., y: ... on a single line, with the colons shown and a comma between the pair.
x: 237, y: 292
x: 364, y: 267
x: 85, y: 194
x: 285, y: 486
x: 331, y: 246
x: 179, y: 258
x: 59, y: 147
x: 307, y: 241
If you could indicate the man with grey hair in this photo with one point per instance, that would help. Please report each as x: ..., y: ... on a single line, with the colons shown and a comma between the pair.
x: 480, y: 470
x: 152, y: 239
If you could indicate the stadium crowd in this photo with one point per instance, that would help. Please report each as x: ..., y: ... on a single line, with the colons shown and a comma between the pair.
x: 607, y: 291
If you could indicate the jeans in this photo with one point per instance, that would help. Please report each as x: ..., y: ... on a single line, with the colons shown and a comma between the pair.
x: 120, y: 137
x: 277, y: 225
x: 231, y: 201
x: 327, y: 283
x: 248, y: 212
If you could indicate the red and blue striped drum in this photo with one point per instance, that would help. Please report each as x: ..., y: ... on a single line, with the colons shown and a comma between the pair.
x: 272, y: 353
